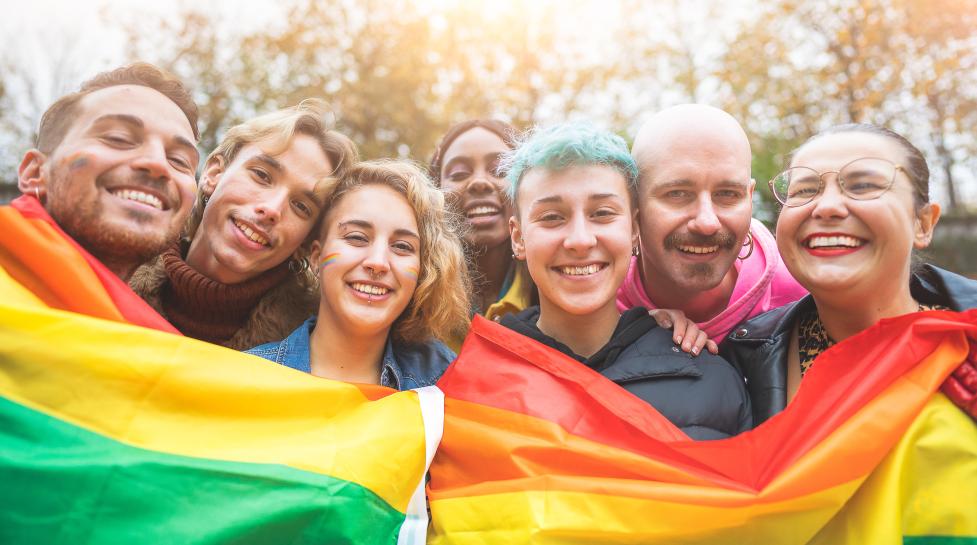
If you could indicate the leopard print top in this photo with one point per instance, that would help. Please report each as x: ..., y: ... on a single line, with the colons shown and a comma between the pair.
x: 812, y: 339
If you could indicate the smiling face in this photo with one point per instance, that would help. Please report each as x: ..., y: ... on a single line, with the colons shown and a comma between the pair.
x: 836, y: 244
x: 121, y: 182
x: 469, y: 173
x: 695, y: 206
x: 261, y: 208
x: 369, y: 259
x: 575, y: 229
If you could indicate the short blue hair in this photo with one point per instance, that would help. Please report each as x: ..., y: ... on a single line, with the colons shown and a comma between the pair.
x: 577, y: 143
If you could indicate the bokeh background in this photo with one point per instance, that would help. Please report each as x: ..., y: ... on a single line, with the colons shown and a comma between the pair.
x: 397, y: 72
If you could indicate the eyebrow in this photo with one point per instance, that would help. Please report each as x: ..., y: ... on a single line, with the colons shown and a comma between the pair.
x: 467, y: 161
x: 270, y: 161
x: 122, y: 118
x: 681, y: 182
x: 367, y: 225
x: 559, y: 198
x: 138, y: 123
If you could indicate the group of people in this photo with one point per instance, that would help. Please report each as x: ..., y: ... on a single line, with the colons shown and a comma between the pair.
x: 644, y: 264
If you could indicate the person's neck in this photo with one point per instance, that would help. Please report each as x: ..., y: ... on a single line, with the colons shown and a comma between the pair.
x: 845, y: 314
x: 584, y: 334
x: 123, y: 269
x: 491, y: 266
x: 201, y: 259
x: 341, y: 354
x: 698, y: 306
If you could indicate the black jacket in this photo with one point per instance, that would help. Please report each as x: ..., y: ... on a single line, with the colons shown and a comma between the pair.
x: 704, y: 396
x: 759, y: 346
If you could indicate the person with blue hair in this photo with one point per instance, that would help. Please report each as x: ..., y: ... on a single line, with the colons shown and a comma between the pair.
x: 573, y: 188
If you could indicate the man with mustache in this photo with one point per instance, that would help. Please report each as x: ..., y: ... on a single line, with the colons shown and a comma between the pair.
x: 701, y: 252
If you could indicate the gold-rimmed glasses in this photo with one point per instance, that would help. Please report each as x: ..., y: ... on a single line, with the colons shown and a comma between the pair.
x: 862, y: 179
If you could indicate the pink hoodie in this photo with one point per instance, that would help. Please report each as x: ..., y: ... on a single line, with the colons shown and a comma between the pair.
x: 763, y: 283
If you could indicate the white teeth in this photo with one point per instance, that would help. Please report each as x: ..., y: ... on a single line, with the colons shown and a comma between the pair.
x: 370, y: 289
x: 251, y: 233
x: 823, y: 242
x: 698, y: 249
x: 482, y: 211
x: 139, y: 196
x: 580, y: 271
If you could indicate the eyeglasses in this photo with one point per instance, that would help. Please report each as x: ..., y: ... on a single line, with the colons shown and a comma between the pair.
x: 862, y: 179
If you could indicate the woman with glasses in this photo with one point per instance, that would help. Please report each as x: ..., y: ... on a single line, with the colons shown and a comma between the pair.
x: 855, y: 206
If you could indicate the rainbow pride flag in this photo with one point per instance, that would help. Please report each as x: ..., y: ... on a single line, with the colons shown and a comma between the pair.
x: 540, y: 449
x: 115, y: 433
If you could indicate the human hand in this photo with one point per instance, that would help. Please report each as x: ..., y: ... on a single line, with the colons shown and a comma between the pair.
x: 961, y: 386
x: 685, y: 333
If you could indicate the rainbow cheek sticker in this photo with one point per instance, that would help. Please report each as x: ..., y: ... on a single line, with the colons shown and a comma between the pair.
x: 328, y: 260
x: 413, y: 272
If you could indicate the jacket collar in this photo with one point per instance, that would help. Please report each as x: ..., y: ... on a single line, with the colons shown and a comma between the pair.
x: 931, y: 285
x: 934, y: 285
x: 295, y: 352
x: 772, y: 324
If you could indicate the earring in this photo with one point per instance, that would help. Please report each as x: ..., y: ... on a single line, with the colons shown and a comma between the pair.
x: 749, y: 242
x: 37, y: 192
x: 634, y: 251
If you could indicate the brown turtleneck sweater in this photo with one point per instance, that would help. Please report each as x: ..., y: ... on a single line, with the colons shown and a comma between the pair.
x: 205, y: 309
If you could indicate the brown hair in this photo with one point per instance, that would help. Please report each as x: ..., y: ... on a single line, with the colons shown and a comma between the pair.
x: 504, y: 131
x: 439, y: 306
x: 59, y: 116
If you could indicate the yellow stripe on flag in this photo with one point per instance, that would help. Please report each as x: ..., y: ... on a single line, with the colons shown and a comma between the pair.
x: 927, y: 485
x: 181, y: 396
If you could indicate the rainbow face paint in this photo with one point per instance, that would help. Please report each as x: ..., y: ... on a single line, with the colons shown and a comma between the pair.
x: 328, y: 260
x: 77, y: 160
x: 413, y: 272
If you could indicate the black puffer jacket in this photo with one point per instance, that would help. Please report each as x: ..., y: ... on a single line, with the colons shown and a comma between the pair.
x: 759, y: 346
x: 704, y: 396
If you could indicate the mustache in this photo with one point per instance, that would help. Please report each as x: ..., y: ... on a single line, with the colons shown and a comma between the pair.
x: 724, y: 239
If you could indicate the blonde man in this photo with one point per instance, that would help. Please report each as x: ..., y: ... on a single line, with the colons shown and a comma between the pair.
x: 239, y: 277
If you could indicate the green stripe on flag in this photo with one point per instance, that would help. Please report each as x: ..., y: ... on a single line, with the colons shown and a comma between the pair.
x: 939, y: 540
x: 62, y: 484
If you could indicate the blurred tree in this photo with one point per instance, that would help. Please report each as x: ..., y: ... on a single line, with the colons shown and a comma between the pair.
x: 802, y: 66
x: 396, y: 74
x: 941, y: 38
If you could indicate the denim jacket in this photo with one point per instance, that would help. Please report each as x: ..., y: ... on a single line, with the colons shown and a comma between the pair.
x: 405, y: 366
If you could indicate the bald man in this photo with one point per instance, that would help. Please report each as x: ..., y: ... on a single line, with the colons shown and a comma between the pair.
x: 701, y: 251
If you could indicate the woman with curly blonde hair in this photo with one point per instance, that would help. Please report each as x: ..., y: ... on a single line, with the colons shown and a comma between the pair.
x: 392, y: 280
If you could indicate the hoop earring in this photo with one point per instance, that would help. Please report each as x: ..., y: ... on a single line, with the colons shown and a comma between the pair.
x: 749, y: 242
x: 37, y: 193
